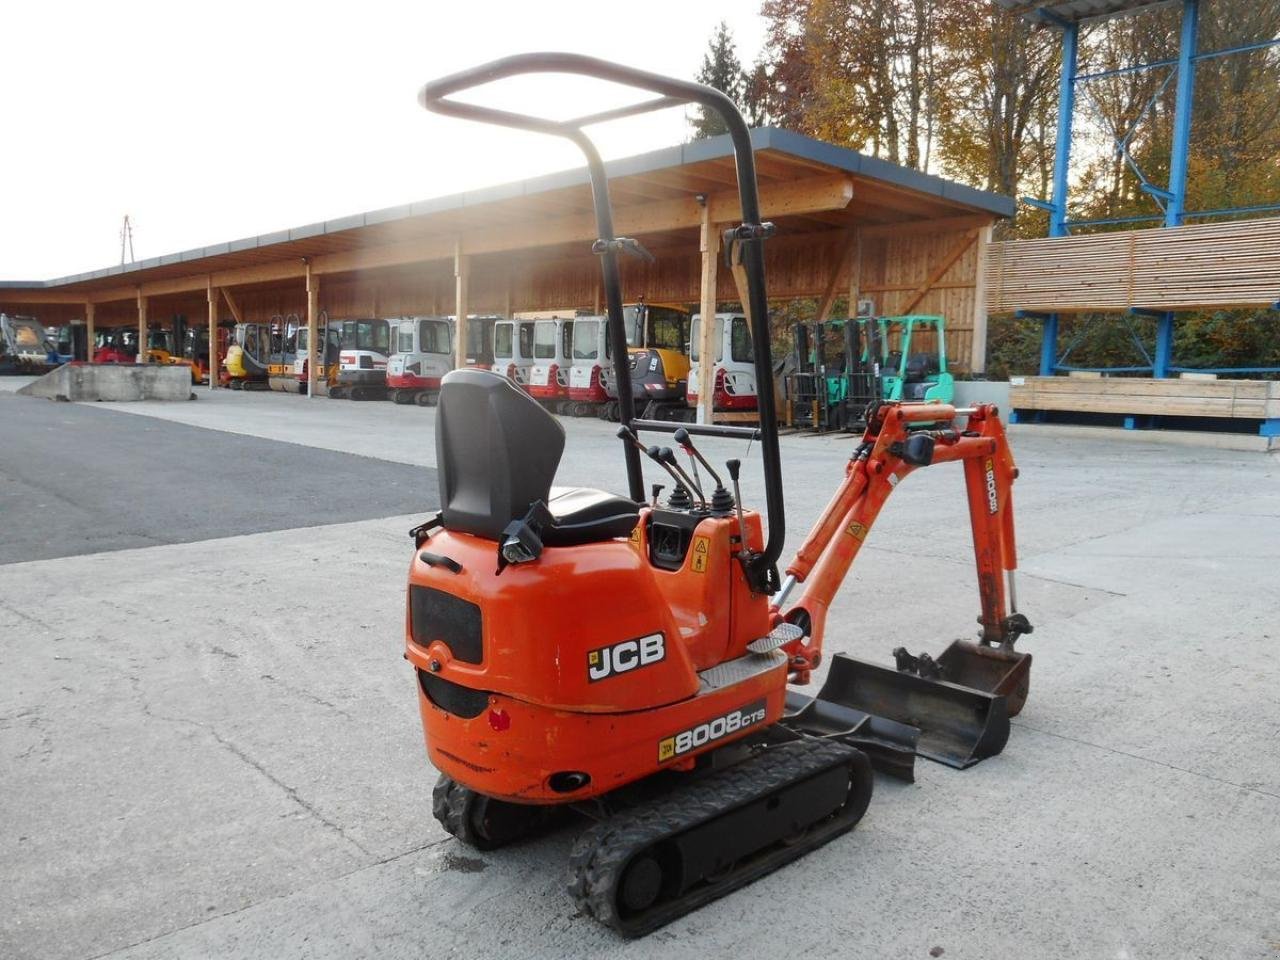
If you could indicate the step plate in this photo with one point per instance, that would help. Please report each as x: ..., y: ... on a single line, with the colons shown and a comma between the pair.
x: 779, y: 636
x: 732, y: 672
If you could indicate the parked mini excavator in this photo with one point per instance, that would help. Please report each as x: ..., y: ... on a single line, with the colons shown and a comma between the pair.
x: 631, y: 660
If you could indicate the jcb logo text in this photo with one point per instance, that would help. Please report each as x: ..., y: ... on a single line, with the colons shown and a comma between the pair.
x: 625, y: 656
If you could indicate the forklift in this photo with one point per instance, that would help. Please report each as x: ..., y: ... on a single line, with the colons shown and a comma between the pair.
x: 836, y: 374
x: 840, y: 366
x: 631, y: 658
x: 909, y: 372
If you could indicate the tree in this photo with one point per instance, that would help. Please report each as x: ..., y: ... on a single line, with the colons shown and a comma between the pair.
x: 720, y: 69
x: 995, y: 130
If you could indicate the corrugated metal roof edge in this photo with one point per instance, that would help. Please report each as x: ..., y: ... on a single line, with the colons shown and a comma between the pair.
x: 762, y: 138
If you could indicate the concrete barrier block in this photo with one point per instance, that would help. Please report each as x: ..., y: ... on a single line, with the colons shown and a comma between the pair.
x: 115, y: 382
x: 969, y: 392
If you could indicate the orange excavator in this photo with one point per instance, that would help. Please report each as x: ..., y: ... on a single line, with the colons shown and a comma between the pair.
x: 634, y: 659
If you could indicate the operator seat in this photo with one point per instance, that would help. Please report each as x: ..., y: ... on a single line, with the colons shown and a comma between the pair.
x: 497, y: 451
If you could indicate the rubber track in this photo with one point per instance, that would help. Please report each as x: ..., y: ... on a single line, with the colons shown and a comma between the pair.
x: 449, y: 803
x: 603, y: 851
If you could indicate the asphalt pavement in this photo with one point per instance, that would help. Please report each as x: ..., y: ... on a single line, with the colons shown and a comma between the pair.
x: 79, y: 478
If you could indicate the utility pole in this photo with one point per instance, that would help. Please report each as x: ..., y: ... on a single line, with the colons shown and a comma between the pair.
x: 126, y: 241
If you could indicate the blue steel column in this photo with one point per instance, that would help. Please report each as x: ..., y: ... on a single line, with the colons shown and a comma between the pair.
x: 1061, y: 178
x: 1163, y: 358
x: 1049, y: 346
x: 1066, y: 116
x: 1182, y: 114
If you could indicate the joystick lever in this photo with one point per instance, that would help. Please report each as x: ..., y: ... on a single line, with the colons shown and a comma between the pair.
x: 721, y: 501
x: 668, y: 459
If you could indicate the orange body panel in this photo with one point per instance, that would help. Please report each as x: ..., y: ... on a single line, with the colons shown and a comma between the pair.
x: 512, y: 749
x: 542, y: 623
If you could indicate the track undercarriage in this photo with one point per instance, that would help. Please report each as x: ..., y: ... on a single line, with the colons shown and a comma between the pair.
x: 665, y: 847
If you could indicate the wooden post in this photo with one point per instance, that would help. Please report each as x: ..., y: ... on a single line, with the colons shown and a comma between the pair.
x: 142, y: 328
x: 978, y: 357
x: 90, y: 333
x: 213, y: 296
x: 709, y: 245
x: 461, y: 269
x: 313, y: 332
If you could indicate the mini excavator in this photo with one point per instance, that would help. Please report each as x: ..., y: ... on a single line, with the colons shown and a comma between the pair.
x: 632, y: 659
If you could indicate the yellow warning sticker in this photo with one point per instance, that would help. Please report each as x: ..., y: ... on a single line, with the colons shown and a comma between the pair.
x: 635, y: 535
x: 701, y: 547
x: 666, y: 749
x: 857, y: 530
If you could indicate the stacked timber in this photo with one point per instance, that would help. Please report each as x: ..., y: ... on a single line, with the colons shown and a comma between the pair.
x: 1139, y: 396
x: 1203, y: 266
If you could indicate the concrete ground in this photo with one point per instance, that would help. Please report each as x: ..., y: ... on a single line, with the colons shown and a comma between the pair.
x: 211, y: 747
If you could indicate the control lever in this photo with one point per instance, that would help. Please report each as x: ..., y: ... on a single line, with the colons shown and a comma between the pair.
x: 679, y: 499
x: 735, y: 467
x: 721, y: 502
x: 668, y: 459
x: 657, y: 489
x: 682, y: 437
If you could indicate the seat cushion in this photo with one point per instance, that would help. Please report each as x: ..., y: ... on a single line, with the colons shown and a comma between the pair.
x: 583, y: 515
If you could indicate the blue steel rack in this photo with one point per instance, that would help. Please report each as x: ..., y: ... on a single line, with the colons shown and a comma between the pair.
x: 1069, y: 16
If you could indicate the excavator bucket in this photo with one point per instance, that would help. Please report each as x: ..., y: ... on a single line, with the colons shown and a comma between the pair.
x: 958, y: 725
x: 991, y: 669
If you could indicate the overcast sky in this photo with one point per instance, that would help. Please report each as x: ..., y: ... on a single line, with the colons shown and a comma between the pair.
x: 215, y: 122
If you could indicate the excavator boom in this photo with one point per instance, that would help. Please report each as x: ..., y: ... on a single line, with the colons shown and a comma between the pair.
x: 954, y: 708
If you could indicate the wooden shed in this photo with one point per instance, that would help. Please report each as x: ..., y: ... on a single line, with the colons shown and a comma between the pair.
x: 847, y: 224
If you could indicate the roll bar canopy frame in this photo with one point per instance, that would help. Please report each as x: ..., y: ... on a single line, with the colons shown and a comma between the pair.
x: 745, y: 241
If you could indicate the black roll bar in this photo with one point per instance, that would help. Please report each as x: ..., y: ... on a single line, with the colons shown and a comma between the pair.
x: 697, y: 429
x: 748, y: 238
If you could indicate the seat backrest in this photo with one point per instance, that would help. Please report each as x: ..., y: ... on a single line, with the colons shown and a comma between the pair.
x: 921, y: 365
x: 497, y: 451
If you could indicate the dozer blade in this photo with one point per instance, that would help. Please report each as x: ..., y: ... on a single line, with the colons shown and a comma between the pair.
x: 890, y: 746
x: 958, y: 725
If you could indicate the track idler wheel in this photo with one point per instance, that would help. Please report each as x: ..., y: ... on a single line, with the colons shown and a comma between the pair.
x: 483, y: 822
x: 426, y: 398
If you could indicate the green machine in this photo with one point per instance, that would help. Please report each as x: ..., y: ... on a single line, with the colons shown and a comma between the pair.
x: 839, y: 366
x: 909, y: 373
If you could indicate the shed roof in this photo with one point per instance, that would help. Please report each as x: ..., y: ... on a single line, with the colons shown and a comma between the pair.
x: 883, y: 193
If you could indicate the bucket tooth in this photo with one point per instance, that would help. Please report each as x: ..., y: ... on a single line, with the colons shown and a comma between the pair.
x: 958, y: 725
